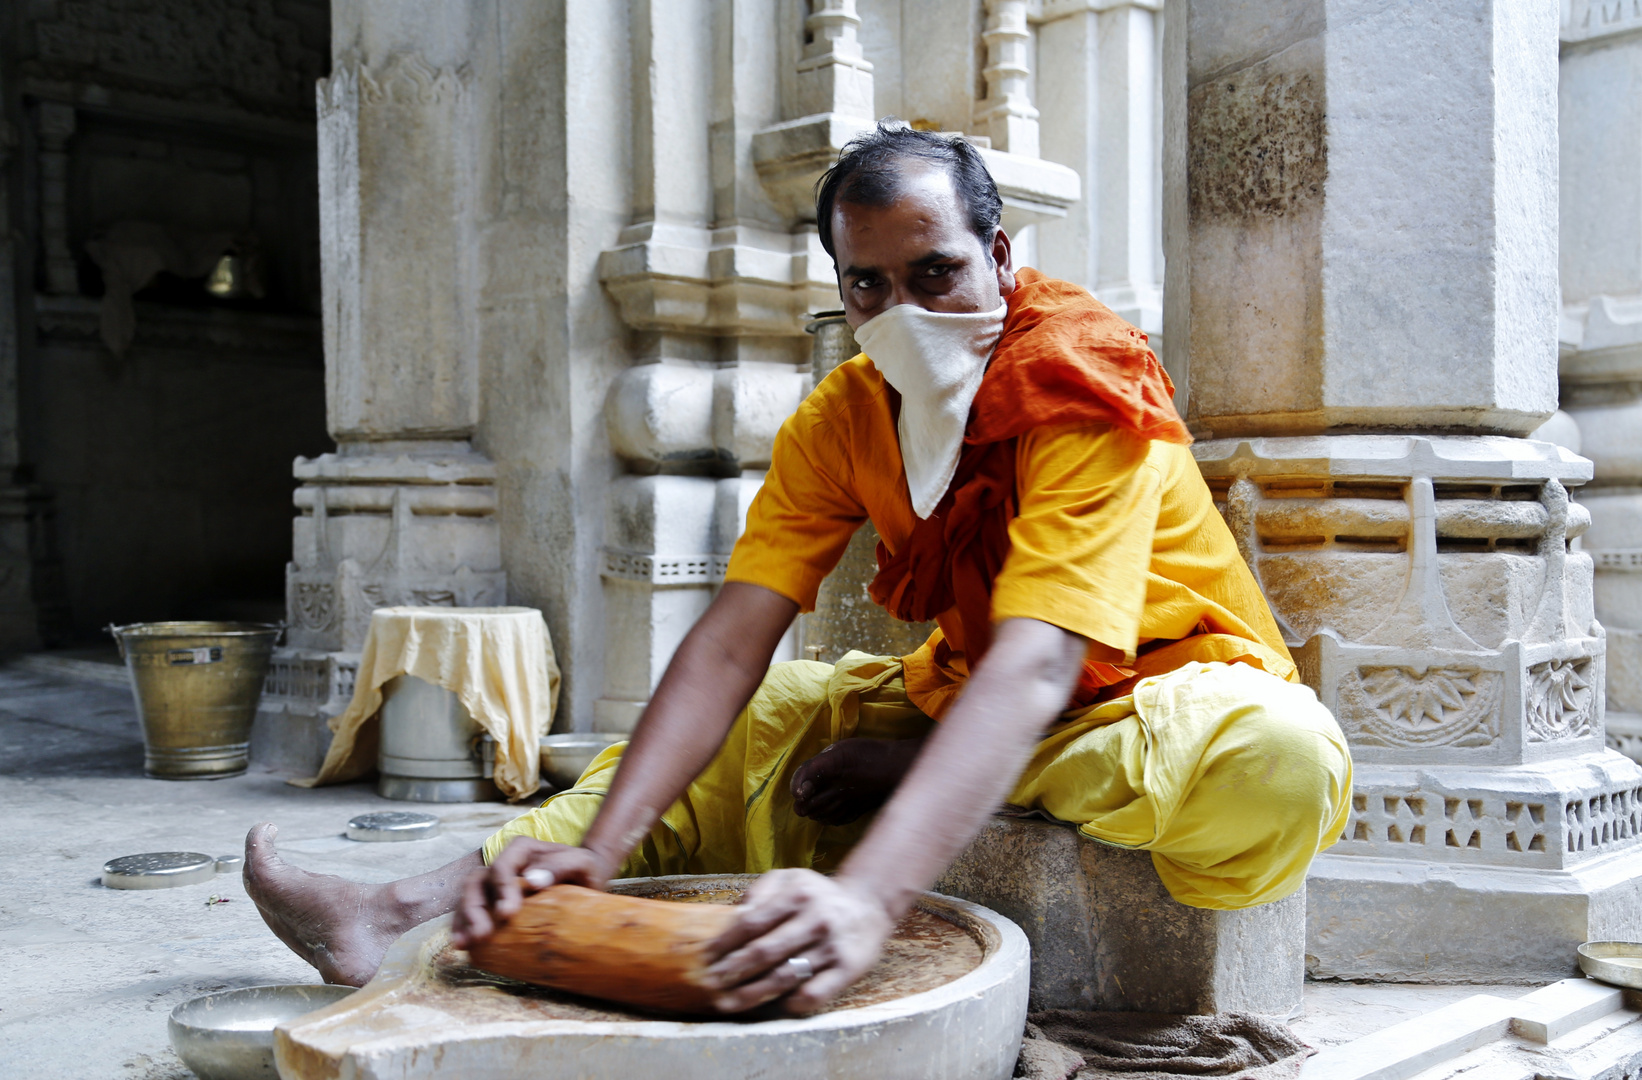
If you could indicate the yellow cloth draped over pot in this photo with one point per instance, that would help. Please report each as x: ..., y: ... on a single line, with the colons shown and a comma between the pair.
x: 497, y: 661
x: 1230, y: 776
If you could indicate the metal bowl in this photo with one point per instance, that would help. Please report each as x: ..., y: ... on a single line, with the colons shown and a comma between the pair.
x: 230, y: 1035
x: 1616, y: 962
x: 566, y: 757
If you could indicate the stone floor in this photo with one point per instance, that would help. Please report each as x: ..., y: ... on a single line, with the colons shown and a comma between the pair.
x: 92, y: 973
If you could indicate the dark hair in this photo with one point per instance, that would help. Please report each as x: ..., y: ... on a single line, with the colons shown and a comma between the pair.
x: 868, y: 173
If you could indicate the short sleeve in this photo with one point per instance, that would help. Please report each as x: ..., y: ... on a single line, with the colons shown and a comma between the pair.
x: 802, y: 519
x: 1081, y: 543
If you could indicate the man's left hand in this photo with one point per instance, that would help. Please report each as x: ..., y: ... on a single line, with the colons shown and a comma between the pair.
x: 834, y: 929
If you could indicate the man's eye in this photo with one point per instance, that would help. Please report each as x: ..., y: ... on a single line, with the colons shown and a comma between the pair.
x: 938, y: 271
x: 865, y: 283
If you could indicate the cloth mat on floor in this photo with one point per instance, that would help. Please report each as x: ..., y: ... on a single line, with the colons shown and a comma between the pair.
x: 1066, y: 1045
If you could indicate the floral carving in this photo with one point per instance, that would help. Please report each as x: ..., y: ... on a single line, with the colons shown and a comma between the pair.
x: 1561, y: 700
x: 314, y: 605
x: 1420, y: 707
x: 410, y: 80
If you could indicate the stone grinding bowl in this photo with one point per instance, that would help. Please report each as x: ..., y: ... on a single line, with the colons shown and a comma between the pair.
x: 230, y: 1035
x: 1616, y: 962
x: 566, y: 757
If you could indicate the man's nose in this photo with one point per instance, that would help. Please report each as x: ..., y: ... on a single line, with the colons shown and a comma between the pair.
x: 901, y: 292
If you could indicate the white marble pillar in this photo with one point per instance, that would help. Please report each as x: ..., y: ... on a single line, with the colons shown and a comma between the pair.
x: 404, y: 512
x: 715, y: 278
x: 1097, y: 63
x: 1601, y: 257
x: 1362, y: 292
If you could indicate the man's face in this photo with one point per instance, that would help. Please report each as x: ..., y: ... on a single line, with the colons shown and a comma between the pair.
x: 917, y: 250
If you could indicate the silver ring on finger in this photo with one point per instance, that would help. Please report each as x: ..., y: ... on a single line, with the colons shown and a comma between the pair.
x: 800, y: 967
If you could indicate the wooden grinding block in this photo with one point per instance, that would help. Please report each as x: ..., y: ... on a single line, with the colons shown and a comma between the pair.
x: 648, y: 953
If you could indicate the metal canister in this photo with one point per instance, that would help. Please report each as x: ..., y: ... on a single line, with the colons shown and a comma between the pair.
x: 430, y: 746
x: 197, y: 685
x: 834, y: 343
x: 845, y: 617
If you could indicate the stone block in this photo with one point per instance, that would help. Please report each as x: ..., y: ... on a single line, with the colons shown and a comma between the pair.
x: 1106, y: 935
x: 1410, y: 921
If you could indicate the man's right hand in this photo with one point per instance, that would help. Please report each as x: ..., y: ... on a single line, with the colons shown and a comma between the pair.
x: 494, y: 894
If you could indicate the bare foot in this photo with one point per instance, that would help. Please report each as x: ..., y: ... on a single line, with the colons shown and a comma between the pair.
x: 341, y: 927
x: 851, y: 777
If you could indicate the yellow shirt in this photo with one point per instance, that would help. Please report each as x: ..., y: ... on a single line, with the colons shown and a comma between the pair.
x: 1116, y: 539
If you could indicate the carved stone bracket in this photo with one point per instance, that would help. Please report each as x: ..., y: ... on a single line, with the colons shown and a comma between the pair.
x: 734, y: 281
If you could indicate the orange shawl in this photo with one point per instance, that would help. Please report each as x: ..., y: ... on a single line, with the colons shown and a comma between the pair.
x: 1063, y: 358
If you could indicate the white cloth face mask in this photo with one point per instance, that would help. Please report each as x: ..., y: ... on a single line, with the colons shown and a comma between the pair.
x: 935, y: 361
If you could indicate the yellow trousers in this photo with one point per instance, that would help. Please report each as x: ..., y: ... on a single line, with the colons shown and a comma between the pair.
x: 1232, y: 778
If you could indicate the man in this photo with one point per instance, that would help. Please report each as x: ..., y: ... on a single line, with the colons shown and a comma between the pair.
x: 1104, y: 656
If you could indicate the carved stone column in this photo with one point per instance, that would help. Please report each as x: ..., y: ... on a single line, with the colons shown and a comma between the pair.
x: 1097, y: 62
x: 1601, y: 206
x: 714, y: 280
x: 1362, y: 295
x: 405, y: 511
x: 1007, y: 115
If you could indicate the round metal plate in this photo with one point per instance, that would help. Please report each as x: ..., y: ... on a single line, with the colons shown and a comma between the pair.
x: 1616, y: 962
x: 393, y: 825
x: 230, y: 864
x: 158, y: 870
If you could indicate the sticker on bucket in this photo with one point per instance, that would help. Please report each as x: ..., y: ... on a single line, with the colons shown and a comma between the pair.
x: 204, y: 655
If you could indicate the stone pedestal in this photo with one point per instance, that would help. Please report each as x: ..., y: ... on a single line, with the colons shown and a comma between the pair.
x: 1601, y: 207
x: 1362, y: 300
x: 1106, y: 935
x: 405, y: 511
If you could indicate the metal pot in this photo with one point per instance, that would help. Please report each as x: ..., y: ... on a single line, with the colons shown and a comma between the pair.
x: 197, y: 685
x: 430, y: 746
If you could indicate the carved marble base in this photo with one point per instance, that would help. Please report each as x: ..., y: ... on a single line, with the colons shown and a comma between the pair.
x: 384, y: 524
x: 1413, y: 705
x: 305, y: 689
x: 1554, y: 815
x: 1624, y: 734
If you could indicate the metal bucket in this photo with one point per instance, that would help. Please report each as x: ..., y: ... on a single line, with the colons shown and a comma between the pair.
x: 430, y: 746
x: 197, y: 685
